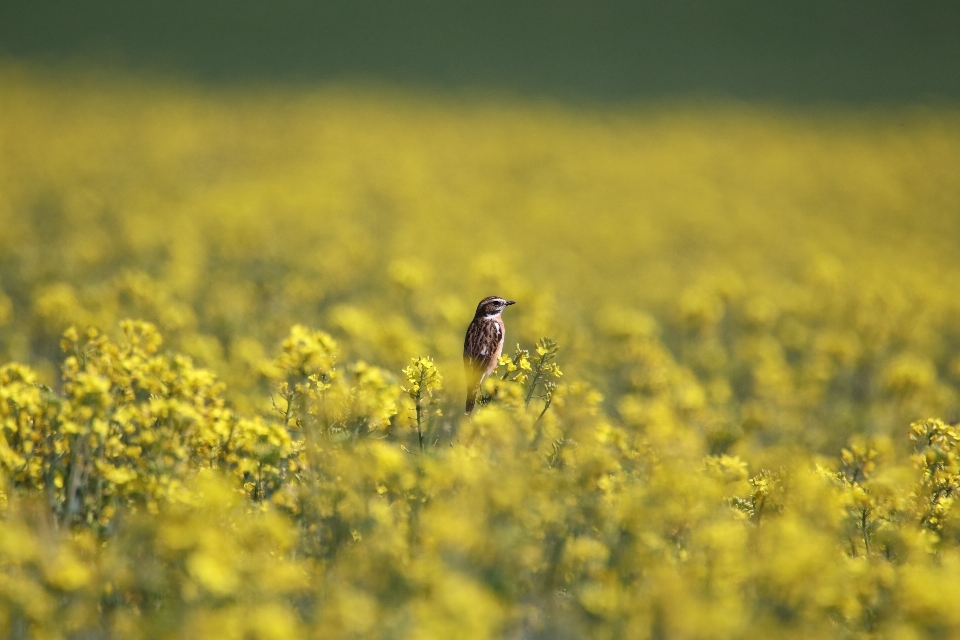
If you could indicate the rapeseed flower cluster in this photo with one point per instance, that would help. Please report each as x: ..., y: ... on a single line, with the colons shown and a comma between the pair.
x: 745, y: 426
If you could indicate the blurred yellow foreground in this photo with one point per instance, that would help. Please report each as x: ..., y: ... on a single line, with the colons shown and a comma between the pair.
x: 211, y: 302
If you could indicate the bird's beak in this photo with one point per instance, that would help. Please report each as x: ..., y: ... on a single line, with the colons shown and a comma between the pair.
x: 509, y: 302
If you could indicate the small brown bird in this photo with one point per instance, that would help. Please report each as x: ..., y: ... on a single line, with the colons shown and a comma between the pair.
x: 483, y: 344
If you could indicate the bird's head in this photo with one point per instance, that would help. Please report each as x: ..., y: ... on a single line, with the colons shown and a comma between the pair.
x: 492, y: 306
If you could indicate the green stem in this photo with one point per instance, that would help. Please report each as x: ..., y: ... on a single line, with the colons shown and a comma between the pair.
x: 536, y: 379
x: 546, y: 405
x: 863, y: 528
x: 419, y: 419
x: 423, y: 375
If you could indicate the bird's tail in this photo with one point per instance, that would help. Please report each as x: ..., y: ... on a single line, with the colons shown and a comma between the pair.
x: 472, y: 391
x: 473, y: 376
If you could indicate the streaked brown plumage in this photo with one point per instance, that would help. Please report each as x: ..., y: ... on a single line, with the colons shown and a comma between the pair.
x: 483, y: 344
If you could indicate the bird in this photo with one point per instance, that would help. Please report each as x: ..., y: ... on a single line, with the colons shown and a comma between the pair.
x: 483, y: 344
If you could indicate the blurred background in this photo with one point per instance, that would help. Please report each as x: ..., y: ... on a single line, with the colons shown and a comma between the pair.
x: 803, y: 52
x: 768, y: 191
x: 739, y: 220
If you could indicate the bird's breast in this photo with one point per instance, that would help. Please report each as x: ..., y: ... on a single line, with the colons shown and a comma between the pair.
x: 498, y: 349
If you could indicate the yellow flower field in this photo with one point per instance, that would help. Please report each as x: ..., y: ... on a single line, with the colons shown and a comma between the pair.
x: 231, y: 388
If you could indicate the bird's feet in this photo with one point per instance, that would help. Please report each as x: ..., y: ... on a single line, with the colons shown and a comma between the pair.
x: 484, y: 399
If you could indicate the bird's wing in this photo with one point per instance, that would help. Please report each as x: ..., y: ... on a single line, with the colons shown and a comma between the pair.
x: 480, y: 346
x: 479, y: 355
